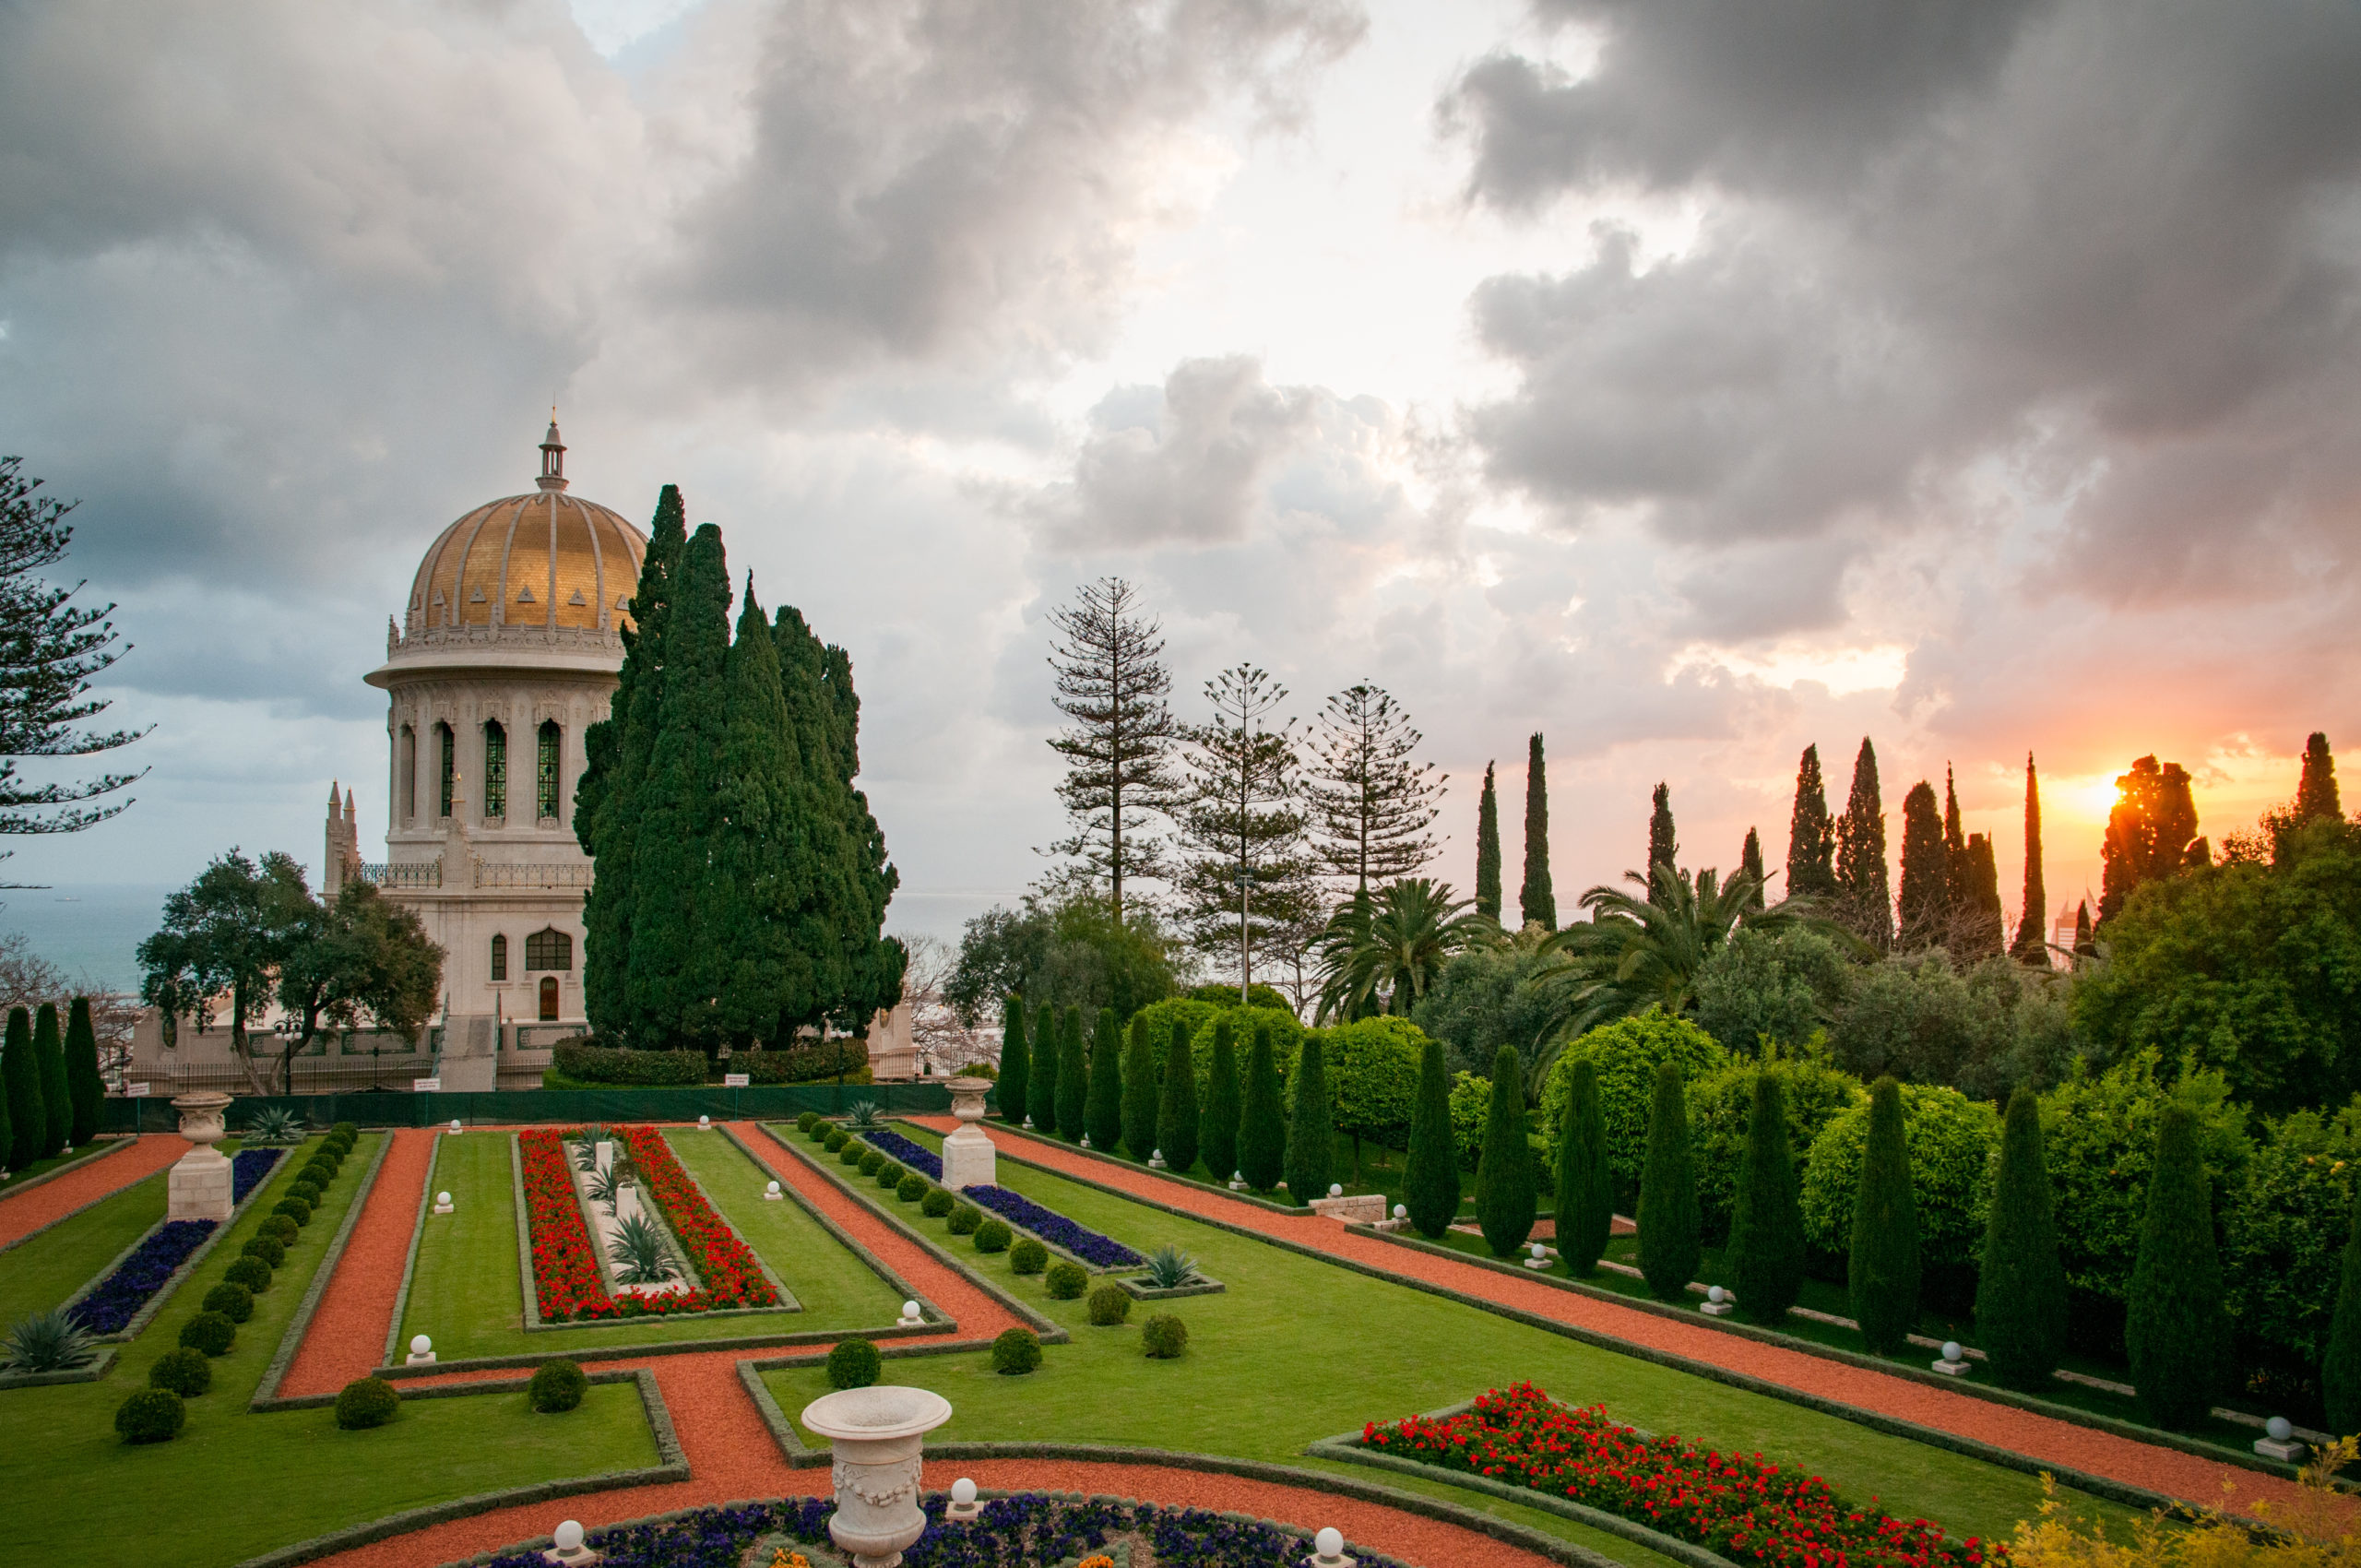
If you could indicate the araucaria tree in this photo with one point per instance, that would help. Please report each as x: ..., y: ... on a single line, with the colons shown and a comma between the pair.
x: 1311, y: 1126
x: 1175, y: 1111
x: 2032, y: 945
x: 1218, y: 1122
x: 2021, y: 1284
x: 1811, y: 836
x: 2176, y: 1329
x: 1504, y: 1196
x: 1262, y: 1125
x: 1534, y: 902
x: 1104, y: 1116
x: 1244, y: 882
x: 1585, y: 1195
x: 1112, y: 685
x: 1431, y: 1174
x: 1864, y: 903
x: 1015, y: 1062
x: 1671, y: 1236
x: 1882, y: 1274
x: 1139, y: 1091
x: 1371, y: 805
x: 1766, y: 1257
x: 1488, y: 849
x: 1926, y: 873
x: 1663, y: 845
x: 2151, y: 832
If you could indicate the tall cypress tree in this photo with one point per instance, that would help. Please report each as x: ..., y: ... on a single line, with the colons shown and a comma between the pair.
x: 1535, y: 901
x: 1074, y: 1076
x: 1139, y: 1091
x: 1664, y: 847
x: 1766, y: 1257
x: 2032, y: 946
x: 1176, y: 1110
x: 1585, y: 1195
x: 2085, y: 943
x: 1218, y: 1125
x: 2316, y: 796
x: 746, y: 916
x: 1015, y: 1063
x: 1488, y: 849
x: 20, y: 1075
x: 2176, y: 1329
x: 1811, y: 836
x: 1750, y: 860
x: 56, y: 1099
x: 1671, y: 1236
x: 1977, y: 925
x: 1311, y: 1126
x: 82, y: 1077
x: 1882, y: 1274
x: 2340, y: 1368
x: 1504, y: 1197
x: 1104, y: 1114
x: 1431, y: 1174
x: 1954, y: 841
x: 7, y: 1120
x: 1262, y: 1123
x: 1041, y: 1094
x: 1926, y: 873
x: 1864, y: 902
x: 2021, y: 1284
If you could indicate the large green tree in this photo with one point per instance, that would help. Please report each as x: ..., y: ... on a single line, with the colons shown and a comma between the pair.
x: 1881, y: 1274
x: 2315, y: 795
x: 1488, y: 849
x: 2020, y: 1284
x: 2151, y: 832
x: 1383, y: 954
x: 1585, y: 1208
x: 1371, y: 803
x: 2030, y: 945
x: 1262, y: 1127
x: 1671, y: 1243
x: 2176, y: 1330
x: 1926, y: 874
x: 226, y: 933
x: 1245, y: 883
x: 752, y: 884
x: 1664, y: 843
x: 1114, y: 690
x: 1863, y: 902
x: 82, y: 1073
x: 1766, y: 1254
x: 1977, y: 922
x: 1218, y: 1122
x: 1065, y: 947
x: 1176, y: 1110
x: 1311, y: 1126
x: 1504, y: 1195
x: 1536, y: 904
x: 1103, y: 1116
x: 357, y: 959
x: 1811, y: 836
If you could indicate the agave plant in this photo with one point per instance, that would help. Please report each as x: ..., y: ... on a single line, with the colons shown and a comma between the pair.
x: 1169, y: 1268
x: 45, y: 1342
x: 639, y: 1254
x: 602, y: 1184
x: 864, y: 1116
x: 273, y: 1125
x: 585, y: 1154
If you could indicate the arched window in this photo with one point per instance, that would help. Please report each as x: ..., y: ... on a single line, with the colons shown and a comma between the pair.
x: 545, y: 769
x: 495, y: 769
x: 406, y: 765
x: 549, y: 997
x: 448, y: 744
x: 499, y: 958
x: 549, y: 948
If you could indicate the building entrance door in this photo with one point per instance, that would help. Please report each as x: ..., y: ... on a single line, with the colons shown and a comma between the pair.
x: 549, y: 998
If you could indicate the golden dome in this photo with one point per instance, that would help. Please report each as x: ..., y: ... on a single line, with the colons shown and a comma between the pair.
x: 547, y: 559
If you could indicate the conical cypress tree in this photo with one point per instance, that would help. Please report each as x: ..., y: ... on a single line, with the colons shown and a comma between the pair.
x: 1664, y: 847
x: 1016, y: 1062
x: 1261, y: 1120
x: 2020, y: 1284
x: 1311, y: 1126
x: 1176, y: 1110
x: 1104, y: 1115
x: 2340, y: 1368
x: 2316, y: 796
x: 1041, y: 1092
x: 2032, y: 946
x: 1811, y: 836
x: 1534, y: 900
x: 56, y: 1098
x: 746, y: 918
x: 1926, y: 871
x: 1431, y: 1174
x: 1671, y: 1240
x: 1074, y: 1076
x: 1218, y: 1125
x: 1586, y: 1195
x: 1766, y: 1255
x: 1863, y: 900
x: 88, y: 1089
x: 21, y: 1074
x: 2085, y: 943
x: 1504, y: 1196
x: 7, y: 1118
x: 1488, y: 849
x: 1883, y: 1273
x: 2176, y: 1329
x: 1750, y: 860
x: 1139, y: 1092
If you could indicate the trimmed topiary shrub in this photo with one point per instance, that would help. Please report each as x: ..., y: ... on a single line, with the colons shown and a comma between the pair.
x: 835, y: 1140
x: 2176, y: 1330
x: 911, y: 1187
x: 557, y: 1387
x: 231, y: 1299
x: 1766, y: 1255
x: 366, y: 1402
x: 993, y: 1236
x: 873, y: 1162
x: 965, y: 1219
x: 1720, y: 1103
x: 279, y: 1228
x: 210, y: 1332
x: 1016, y: 1352
x: 1504, y: 1201
x: 1586, y: 1193
x: 1028, y: 1256
x: 306, y: 1193
x: 1625, y: 1055
x: 805, y: 1123
x: 1311, y: 1126
x: 1109, y: 1305
x: 1262, y: 1123
x: 150, y: 1415
x: 1139, y: 1101
x: 1431, y: 1176
x: 890, y: 1174
x: 1103, y: 1110
x: 295, y: 1209
x: 1073, y: 1077
x: 2341, y: 1367
x: 252, y: 1273
x: 854, y: 1363
x: 186, y: 1372
x: 1176, y: 1104
x: 1015, y: 1062
x: 1883, y: 1277
x: 1950, y: 1140
x: 936, y: 1202
x: 1067, y: 1282
x: 1164, y: 1336
x: 268, y: 1250
x: 1670, y: 1247
x: 2020, y: 1290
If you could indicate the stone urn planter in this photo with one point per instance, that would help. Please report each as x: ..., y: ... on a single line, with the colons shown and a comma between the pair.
x: 199, y: 1186
x: 878, y: 1436
x: 968, y: 1158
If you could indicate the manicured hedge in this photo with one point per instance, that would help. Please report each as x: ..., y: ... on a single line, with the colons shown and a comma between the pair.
x: 1816, y: 1095
x: 1625, y: 1054
x: 1951, y: 1140
x: 603, y: 1064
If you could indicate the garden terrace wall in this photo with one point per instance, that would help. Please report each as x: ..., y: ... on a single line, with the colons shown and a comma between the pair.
x: 550, y: 1107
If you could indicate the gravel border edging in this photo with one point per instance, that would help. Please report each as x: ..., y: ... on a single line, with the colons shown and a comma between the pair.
x: 1293, y: 1211
x: 266, y: 1395
x: 106, y: 1143
x: 155, y: 1304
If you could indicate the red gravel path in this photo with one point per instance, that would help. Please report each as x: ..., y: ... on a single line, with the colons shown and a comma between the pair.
x: 24, y: 1213
x: 2039, y: 1437
x: 346, y: 1337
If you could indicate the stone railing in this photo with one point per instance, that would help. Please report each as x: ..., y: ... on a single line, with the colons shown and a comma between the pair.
x: 424, y: 873
x: 506, y: 634
x: 495, y: 874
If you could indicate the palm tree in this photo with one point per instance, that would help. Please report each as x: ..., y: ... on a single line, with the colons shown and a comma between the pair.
x: 1381, y: 954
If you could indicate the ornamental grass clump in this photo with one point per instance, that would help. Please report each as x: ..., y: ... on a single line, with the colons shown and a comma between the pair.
x: 48, y: 1342
x: 863, y: 1115
x: 1028, y: 1256
x: 992, y: 1236
x: 854, y: 1363
x: 212, y: 1332
x: 186, y: 1372
x: 1067, y: 1282
x: 556, y: 1388
x: 231, y: 1299
x: 150, y: 1415
x: 1163, y: 1336
x: 1169, y: 1268
x: 1109, y: 1305
x: 366, y: 1402
x: 639, y: 1254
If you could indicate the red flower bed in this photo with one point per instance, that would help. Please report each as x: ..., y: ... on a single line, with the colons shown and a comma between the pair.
x: 566, y: 1277
x: 1747, y: 1509
x: 732, y: 1278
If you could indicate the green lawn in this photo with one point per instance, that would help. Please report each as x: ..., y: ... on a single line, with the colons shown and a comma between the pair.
x: 1297, y: 1350
x: 234, y: 1484
x: 42, y: 1272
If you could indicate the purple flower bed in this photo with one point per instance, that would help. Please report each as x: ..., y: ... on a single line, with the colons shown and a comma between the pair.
x: 248, y: 1167
x: 895, y: 1146
x: 1014, y: 1532
x: 121, y: 1294
x: 1054, y: 1228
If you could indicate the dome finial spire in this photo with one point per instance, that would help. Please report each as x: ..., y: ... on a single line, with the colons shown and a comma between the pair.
x: 553, y: 475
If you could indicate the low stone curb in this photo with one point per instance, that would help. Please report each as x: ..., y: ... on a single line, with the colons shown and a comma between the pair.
x: 1205, y: 1284
x: 675, y: 1467
x: 92, y: 1373
x: 1294, y: 1211
x: 266, y: 1396
x: 155, y: 1304
x: 105, y: 1143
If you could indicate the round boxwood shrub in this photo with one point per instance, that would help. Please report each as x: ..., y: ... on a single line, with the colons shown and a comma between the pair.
x: 1016, y: 1352
x: 889, y: 1175
x: 965, y: 1219
x: 854, y: 1363
x: 210, y: 1332
x: 1028, y: 1256
x: 1164, y: 1336
x: 1067, y: 1282
x: 855, y: 1151
x: 231, y: 1299
x: 252, y: 1273
x: 281, y: 1229
x: 184, y: 1372
x: 835, y: 1140
x: 1109, y: 1304
x: 348, y: 1131
x: 871, y: 1162
x: 150, y: 1415
x: 319, y: 1173
x: 295, y: 1209
x: 305, y: 1191
x: 911, y: 1187
x: 937, y: 1203
x: 556, y: 1387
x: 992, y: 1236
x: 269, y: 1249
x: 366, y: 1402
x: 806, y: 1121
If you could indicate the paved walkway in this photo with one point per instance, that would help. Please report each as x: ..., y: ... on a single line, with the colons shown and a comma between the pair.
x: 23, y: 1213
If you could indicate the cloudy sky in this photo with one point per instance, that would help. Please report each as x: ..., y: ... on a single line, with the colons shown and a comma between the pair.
x: 1689, y: 382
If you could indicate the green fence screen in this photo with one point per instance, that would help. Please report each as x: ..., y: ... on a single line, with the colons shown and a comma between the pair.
x: 765, y: 1102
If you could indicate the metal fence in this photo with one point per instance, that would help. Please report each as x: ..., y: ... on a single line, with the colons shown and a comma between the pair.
x: 398, y: 1109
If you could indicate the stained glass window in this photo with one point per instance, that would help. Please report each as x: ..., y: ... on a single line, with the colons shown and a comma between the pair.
x: 495, y: 769
x: 545, y: 768
x: 450, y: 762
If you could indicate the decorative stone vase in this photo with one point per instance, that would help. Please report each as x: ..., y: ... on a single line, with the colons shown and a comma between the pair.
x: 878, y: 1436
x: 199, y: 1186
x: 968, y: 1158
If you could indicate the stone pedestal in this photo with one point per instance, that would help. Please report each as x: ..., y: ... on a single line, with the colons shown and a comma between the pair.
x: 604, y: 1154
x: 878, y: 1436
x: 199, y: 1186
x: 1365, y: 1208
x: 2287, y: 1453
x: 626, y: 1202
x: 968, y: 1158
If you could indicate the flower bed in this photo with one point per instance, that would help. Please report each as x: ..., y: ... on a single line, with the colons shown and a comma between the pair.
x: 732, y: 1278
x: 1747, y: 1509
x: 117, y: 1299
x: 566, y: 1278
x: 895, y: 1146
x: 248, y: 1167
x: 1054, y: 1228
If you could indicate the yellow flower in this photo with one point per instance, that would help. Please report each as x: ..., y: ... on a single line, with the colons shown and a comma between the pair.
x: 1101, y: 1560
x: 782, y: 1558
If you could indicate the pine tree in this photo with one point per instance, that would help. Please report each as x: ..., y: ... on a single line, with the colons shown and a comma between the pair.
x: 2032, y: 946
x: 1243, y: 820
x: 1977, y: 925
x: 1663, y: 848
x: 1371, y: 803
x: 1750, y: 860
x: 1104, y: 1114
x: 1140, y: 1092
x: 1041, y: 1095
x: 1016, y: 1062
x: 1074, y: 1076
x: 2176, y: 1329
x: 2151, y: 832
x: 1926, y: 873
x: 1176, y: 1110
x: 56, y: 1099
x: 1671, y: 1243
x: 2316, y: 796
x: 1112, y: 684
x: 20, y: 1075
x: 82, y: 1077
x: 1430, y: 1172
x: 1811, y: 836
x: 1864, y: 903
x: 1217, y: 1125
x: 2340, y: 1368
x: 1585, y: 1216
x: 1311, y: 1126
x: 1535, y: 901
x: 1504, y: 1196
x: 2021, y: 1284
x: 1766, y: 1255
x: 1882, y: 1274
x: 1488, y: 849
x: 1262, y: 1122
x: 753, y: 893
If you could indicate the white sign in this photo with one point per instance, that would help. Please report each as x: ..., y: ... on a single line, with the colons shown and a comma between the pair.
x: 426, y: 1085
x: 134, y: 1091
x: 737, y: 1080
